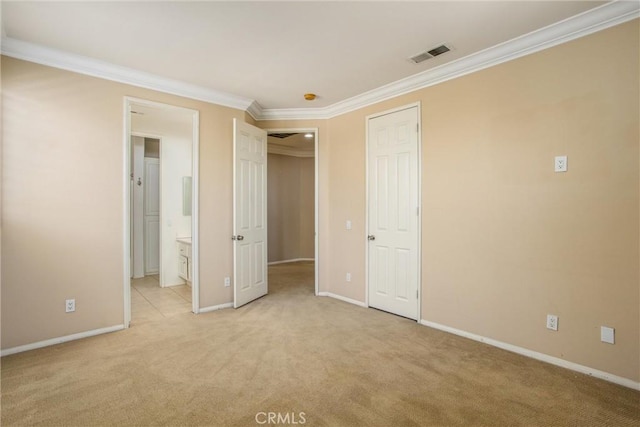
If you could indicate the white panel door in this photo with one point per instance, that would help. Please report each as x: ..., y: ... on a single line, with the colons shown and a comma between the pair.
x: 151, y: 216
x: 137, y: 207
x: 249, y: 213
x: 393, y: 212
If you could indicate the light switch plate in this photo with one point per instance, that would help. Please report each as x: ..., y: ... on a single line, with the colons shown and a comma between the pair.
x: 348, y: 224
x: 561, y: 163
x: 607, y: 335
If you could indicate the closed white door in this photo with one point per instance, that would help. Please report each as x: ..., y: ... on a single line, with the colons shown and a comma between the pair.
x: 151, y: 216
x: 249, y: 213
x: 393, y: 212
x: 137, y: 207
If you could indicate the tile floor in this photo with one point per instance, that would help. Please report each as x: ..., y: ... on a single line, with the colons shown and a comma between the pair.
x: 150, y: 302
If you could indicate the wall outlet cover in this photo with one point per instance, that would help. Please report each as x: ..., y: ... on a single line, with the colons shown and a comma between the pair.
x: 560, y: 163
x: 552, y: 322
x: 70, y: 305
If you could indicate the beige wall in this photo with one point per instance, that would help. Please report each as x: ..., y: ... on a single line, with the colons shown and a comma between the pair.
x: 291, y: 207
x: 505, y: 240
x: 307, y: 207
x: 62, y: 207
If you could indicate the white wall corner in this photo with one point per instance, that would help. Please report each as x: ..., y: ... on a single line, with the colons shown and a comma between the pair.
x: 215, y: 307
x: 341, y: 298
x: 626, y: 382
x: 255, y: 110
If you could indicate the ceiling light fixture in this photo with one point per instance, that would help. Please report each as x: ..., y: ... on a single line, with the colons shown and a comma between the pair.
x: 309, y: 96
x: 308, y: 135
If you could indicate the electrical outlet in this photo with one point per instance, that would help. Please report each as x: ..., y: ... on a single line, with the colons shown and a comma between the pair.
x: 560, y: 163
x: 348, y: 277
x: 227, y: 282
x: 552, y: 322
x: 70, y: 305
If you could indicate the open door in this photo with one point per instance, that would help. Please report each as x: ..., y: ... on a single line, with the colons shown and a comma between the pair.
x: 249, y: 213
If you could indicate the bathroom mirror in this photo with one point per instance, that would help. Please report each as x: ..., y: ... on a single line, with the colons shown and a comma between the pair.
x: 186, y: 195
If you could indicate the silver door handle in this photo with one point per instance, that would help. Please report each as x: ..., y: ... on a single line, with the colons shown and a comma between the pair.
x: 371, y: 237
x: 238, y: 237
x: 139, y: 181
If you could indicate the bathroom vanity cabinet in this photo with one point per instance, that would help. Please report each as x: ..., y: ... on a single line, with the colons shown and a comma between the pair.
x: 185, y: 266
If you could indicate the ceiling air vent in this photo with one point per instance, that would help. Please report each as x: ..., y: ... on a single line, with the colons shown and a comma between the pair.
x: 282, y: 135
x: 429, y: 54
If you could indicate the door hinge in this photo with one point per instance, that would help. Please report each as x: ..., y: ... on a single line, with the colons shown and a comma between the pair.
x: 416, y: 294
x: 417, y: 127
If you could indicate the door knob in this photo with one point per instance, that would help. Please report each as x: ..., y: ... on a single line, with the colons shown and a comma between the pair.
x: 371, y: 237
x: 139, y: 181
x: 238, y: 237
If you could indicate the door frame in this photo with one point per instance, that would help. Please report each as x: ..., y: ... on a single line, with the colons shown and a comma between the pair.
x: 316, y: 210
x: 419, y: 189
x: 126, y: 211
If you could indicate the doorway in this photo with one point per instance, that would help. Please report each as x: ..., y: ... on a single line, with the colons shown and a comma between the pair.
x: 393, y: 211
x: 145, y: 206
x: 293, y: 201
x: 172, y: 216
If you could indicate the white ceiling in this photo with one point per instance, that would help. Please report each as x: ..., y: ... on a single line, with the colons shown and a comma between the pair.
x: 274, y: 52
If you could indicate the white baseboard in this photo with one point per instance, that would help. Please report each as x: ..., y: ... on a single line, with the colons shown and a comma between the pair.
x: 60, y: 340
x: 171, y: 285
x: 215, y: 307
x: 341, y: 298
x: 538, y: 356
x: 285, y: 261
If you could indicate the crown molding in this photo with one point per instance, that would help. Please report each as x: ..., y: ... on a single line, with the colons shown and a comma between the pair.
x: 92, y: 67
x: 255, y: 110
x: 284, y: 151
x: 588, y: 22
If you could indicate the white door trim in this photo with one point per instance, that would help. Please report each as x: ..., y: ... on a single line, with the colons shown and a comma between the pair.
x: 316, y: 175
x: 126, y: 217
x: 366, y: 242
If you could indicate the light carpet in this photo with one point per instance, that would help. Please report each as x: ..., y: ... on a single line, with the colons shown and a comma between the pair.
x: 306, y: 358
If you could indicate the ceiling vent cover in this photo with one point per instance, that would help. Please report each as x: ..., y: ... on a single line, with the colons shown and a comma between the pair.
x: 282, y: 135
x: 429, y: 54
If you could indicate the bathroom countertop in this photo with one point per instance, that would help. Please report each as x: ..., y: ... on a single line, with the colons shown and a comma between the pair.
x: 186, y: 240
